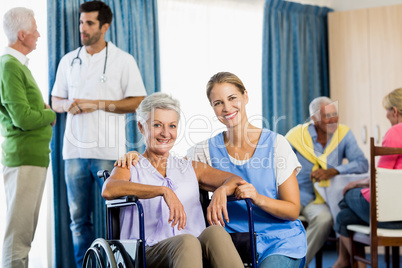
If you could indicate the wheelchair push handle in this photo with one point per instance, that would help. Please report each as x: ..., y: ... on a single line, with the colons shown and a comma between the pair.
x: 104, y: 173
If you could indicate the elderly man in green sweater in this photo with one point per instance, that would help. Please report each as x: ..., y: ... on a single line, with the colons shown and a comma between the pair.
x: 26, y: 125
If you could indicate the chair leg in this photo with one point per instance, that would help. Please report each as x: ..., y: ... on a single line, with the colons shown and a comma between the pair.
x: 353, y: 262
x: 395, y: 257
x: 374, y: 256
x: 386, y: 256
x: 318, y: 258
x: 357, y: 250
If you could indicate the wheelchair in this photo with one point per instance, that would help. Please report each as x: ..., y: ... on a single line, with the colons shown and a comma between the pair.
x: 245, y: 243
x: 112, y: 252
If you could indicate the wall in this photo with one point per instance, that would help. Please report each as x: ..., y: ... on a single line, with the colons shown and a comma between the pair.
x: 199, y: 39
x: 339, y: 5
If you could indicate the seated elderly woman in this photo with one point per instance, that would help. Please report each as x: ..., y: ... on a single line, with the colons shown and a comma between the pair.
x: 175, y: 231
x: 355, y: 206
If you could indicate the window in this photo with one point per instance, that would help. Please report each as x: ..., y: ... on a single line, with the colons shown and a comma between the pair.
x: 199, y: 39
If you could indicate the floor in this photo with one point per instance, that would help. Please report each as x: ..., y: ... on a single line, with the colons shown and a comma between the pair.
x: 330, y: 255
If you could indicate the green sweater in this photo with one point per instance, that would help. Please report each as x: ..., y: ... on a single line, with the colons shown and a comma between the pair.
x: 25, y: 123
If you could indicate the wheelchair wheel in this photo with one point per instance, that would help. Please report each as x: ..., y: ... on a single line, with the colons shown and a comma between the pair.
x: 93, y: 259
x: 99, y: 255
x: 120, y: 254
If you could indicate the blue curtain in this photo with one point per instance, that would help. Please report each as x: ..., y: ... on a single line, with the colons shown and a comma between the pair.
x: 294, y: 62
x: 135, y: 30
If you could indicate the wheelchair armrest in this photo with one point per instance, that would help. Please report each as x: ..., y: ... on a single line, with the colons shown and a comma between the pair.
x: 122, y: 201
x: 233, y: 198
x: 252, y: 234
x: 125, y: 201
x: 118, y: 202
x: 130, y: 200
x: 249, y: 204
x: 204, y: 199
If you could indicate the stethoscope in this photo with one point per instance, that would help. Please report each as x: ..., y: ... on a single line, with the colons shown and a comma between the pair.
x: 103, y: 77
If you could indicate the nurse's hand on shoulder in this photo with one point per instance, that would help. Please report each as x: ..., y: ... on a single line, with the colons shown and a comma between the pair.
x: 127, y: 160
x: 246, y: 190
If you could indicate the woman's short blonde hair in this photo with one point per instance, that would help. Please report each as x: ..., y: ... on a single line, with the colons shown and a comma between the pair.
x: 224, y: 77
x: 393, y: 99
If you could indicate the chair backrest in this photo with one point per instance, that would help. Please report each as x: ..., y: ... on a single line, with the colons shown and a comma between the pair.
x: 384, y: 186
x: 389, y: 194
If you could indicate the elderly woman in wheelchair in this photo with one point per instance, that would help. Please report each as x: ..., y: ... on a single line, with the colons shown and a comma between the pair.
x: 175, y: 231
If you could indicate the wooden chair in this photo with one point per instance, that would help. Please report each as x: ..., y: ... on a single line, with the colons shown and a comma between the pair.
x: 385, y: 205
